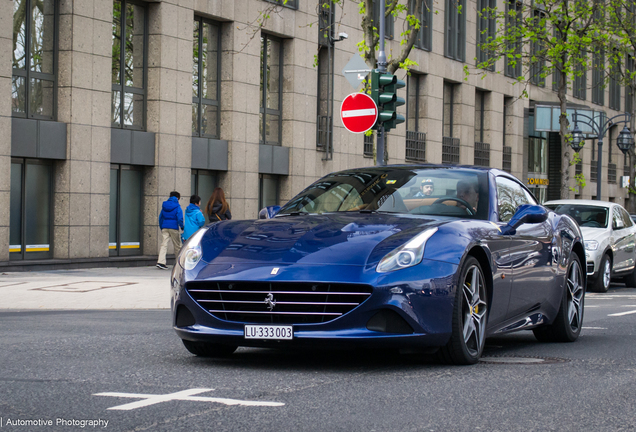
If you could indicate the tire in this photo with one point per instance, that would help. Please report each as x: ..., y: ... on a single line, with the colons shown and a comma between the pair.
x: 630, y: 280
x: 203, y: 349
x: 602, y: 282
x: 470, y: 314
x: 569, y: 320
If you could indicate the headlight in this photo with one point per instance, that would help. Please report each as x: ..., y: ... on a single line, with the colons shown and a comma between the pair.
x: 191, y: 252
x: 591, y: 245
x: 407, y: 255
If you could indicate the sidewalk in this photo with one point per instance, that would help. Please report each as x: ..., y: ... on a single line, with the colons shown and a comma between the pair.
x: 100, y: 288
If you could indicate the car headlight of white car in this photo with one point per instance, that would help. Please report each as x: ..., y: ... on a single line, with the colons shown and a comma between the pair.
x: 191, y: 252
x: 407, y: 255
x: 591, y: 245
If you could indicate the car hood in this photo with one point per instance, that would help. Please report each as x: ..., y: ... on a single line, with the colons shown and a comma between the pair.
x: 348, y: 239
x: 598, y: 234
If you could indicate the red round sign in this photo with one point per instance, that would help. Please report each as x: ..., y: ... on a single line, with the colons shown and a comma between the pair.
x: 358, y: 112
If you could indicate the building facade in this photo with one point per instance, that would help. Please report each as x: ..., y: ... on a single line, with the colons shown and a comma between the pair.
x: 109, y: 105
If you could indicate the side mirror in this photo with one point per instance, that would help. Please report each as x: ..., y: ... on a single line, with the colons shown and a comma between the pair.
x: 618, y: 224
x: 268, y: 212
x: 525, y: 214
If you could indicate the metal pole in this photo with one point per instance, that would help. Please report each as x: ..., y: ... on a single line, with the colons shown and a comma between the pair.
x: 599, y: 166
x: 381, y: 69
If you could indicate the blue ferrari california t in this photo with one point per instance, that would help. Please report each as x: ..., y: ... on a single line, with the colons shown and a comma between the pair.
x: 417, y: 257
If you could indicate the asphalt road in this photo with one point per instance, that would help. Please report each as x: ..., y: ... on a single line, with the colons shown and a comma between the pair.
x: 56, y: 366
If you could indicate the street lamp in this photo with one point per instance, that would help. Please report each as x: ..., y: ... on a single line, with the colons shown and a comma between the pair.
x: 625, y: 140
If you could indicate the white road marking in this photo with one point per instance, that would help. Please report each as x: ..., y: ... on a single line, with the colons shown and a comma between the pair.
x: 594, y: 328
x: 622, y: 313
x: 185, y: 395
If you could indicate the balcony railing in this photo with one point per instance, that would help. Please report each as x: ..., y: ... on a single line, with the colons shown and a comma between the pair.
x: 416, y: 146
x: 323, y: 132
x: 507, y: 159
x: 450, y: 150
x: 482, y: 154
x: 368, y: 146
x: 611, y: 173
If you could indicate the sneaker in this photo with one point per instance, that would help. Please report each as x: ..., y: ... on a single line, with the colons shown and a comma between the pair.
x: 162, y: 266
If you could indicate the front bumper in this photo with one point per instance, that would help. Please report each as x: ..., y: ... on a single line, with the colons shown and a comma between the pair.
x: 422, y: 297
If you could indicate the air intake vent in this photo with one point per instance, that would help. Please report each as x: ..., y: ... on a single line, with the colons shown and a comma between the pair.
x: 279, y: 303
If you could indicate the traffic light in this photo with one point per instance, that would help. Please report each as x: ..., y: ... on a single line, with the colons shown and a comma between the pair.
x: 384, y: 89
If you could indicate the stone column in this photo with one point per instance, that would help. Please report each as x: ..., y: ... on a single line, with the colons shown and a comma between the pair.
x: 6, y: 47
x: 82, y: 182
x: 169, y: 113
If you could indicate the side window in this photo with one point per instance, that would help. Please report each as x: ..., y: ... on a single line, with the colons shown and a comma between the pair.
x: 510, y: 195
x: 626, y: 219
x: 617, y: 220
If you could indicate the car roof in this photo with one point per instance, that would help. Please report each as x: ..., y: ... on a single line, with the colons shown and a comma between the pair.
x: 583, y: 202
x: 432, y: 166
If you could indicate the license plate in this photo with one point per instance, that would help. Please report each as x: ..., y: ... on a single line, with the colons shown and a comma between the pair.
x: 276, y: 332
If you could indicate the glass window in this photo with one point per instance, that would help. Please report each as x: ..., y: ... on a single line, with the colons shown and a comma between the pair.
x: 627, y: 221
x: 203, y: 184
x: 268, y: 195
x: 444, y: 192
x: 33, y: 81
x: 270, y: 123
x: 206, y: 78
x: 590, y: 216
x: 126, y: 194
x: 325, y: 92
x: 510, y: 195
x: 455, y: 29
x: 389, y: 21
x: 30, y: 214
x: 129, y: 37
x: 486, y: 26
x: 512, y: 67
x: 425, y: 33
x: 292, y: 4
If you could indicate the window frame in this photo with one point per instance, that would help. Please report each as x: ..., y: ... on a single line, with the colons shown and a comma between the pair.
x: 291, y: 4
x: 200, y: 101
x: 516, y: 70
x: 486, y: 29
x: 455, y: 30
x: 263, y: 110
x: 117, y: 251
x: 27, y: 74
x: 389, y: 21
x: 261, y: 183
x: 24, y: 162
x: 121, y: 87
x: 424, y: 39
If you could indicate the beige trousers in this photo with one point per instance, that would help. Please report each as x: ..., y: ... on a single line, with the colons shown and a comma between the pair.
x: 169, y: 234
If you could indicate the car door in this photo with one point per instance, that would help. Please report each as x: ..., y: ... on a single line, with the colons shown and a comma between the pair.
x: 622, y: 240
x: 530, y: 251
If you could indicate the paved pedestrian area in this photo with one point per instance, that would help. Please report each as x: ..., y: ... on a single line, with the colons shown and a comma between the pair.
x: 102, y: 288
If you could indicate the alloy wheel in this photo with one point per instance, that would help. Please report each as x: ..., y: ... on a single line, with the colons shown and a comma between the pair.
x: 607, y: 274
x: 474, y: 310
x: 575, y: 295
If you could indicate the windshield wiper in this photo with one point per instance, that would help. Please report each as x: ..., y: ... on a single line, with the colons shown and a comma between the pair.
x: 294, y: 213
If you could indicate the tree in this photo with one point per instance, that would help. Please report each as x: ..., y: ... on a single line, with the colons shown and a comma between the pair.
x: 622, y: 25
x: 557, y: 37
x: 411, y: 10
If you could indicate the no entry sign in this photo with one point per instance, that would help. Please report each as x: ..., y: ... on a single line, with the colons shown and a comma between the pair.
x: 358, y: 112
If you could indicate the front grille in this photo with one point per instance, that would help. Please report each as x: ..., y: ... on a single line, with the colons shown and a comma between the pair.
x: 295, y: 303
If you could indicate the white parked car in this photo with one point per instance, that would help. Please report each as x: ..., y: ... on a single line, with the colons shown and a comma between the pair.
x: 610, y: 240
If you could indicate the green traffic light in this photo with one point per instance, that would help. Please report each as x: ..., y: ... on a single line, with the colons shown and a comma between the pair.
x: 384, y: 89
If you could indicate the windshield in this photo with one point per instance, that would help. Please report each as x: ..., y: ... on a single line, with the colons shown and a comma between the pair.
x: 434, y: 191
x: 585, y: 215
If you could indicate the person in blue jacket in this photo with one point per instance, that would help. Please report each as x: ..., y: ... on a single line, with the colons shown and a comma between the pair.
x: 170, y: 221
x: 193, y: 217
